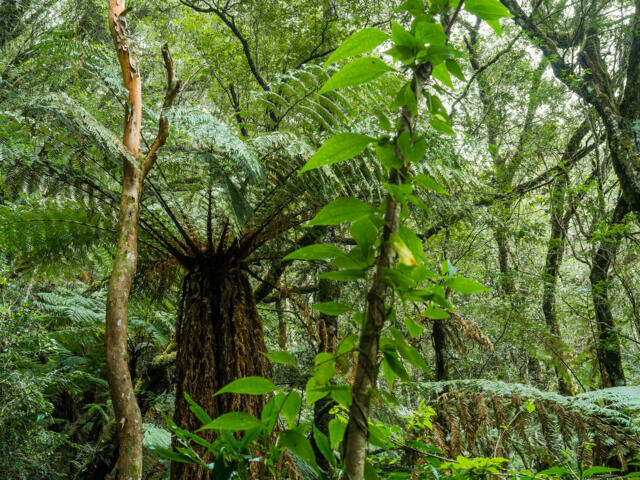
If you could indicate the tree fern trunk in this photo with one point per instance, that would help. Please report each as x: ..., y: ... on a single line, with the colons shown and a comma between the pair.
x: 220, y: 339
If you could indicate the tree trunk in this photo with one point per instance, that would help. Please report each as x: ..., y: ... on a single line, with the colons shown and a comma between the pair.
x: 619, y: 113
x: 366, y: 375
x: 282, y: 324
x: 127, y: 412
x: 555, y: 252
x: 440, y: 348
x: 555, y: 249
x: 625, y: 153
x: 607, y: 345
x: 136, y: 166
x: 506, y: 276
x: 220, y: 339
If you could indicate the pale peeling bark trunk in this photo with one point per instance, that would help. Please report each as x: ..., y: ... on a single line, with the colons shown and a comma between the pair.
x: 126, y: 409
x: 127, y: 412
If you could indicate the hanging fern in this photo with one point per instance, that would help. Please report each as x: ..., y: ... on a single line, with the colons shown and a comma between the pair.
x: 494, y: 417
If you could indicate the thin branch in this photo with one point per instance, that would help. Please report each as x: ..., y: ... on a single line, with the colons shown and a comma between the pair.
x: 174, y: 85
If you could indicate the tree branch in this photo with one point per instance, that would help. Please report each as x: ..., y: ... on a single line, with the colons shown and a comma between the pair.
x: 174, y: 85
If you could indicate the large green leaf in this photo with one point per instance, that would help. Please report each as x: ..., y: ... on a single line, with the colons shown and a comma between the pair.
x: 465, y: 285
x: 342, y: 395
x: 346, y: 275
x: 415, y: 329
x: 249, y: 385
x: 487, y: 9
x: 403, y: 38
x: 284, y: 358
x: 197, y: 410
x: 360, y: 42
x: 395, y: 364
x: 441, y: 124
x: 435, y: 313
x: 341, y: 210
x: 595, y: 470
x: 233, y: 421
x: 300, y: 446
x: 271, y: 411
x: 441, y: 72
x: 324, y: 367
x: 322, y: 442
x: 317, y: 251
x: 413, y: 356
x: 331, y: 308
x: 314, y: 391
x: 291, y: 407
x: 365, y: 233
x: 431, y: 33
x: 337, y: 427
x: 359, y: 71
x: 171, y: 455
x: 338, y: 148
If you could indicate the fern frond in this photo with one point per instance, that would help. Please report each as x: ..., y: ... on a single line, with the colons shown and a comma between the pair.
x: 199, y: 131
x: 45, y: 235
x: 550, y: 422
x: 62, y: 109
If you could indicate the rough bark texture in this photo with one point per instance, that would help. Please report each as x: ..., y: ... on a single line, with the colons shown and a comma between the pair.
x: 219, y: 340
x: 555, y: 251
x: 282, y: 324
x: 506, y: 275
x: 439, y: 337
x: 607, y: 345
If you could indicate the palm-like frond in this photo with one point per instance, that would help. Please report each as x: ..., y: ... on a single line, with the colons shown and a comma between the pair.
x: 45, y: 235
